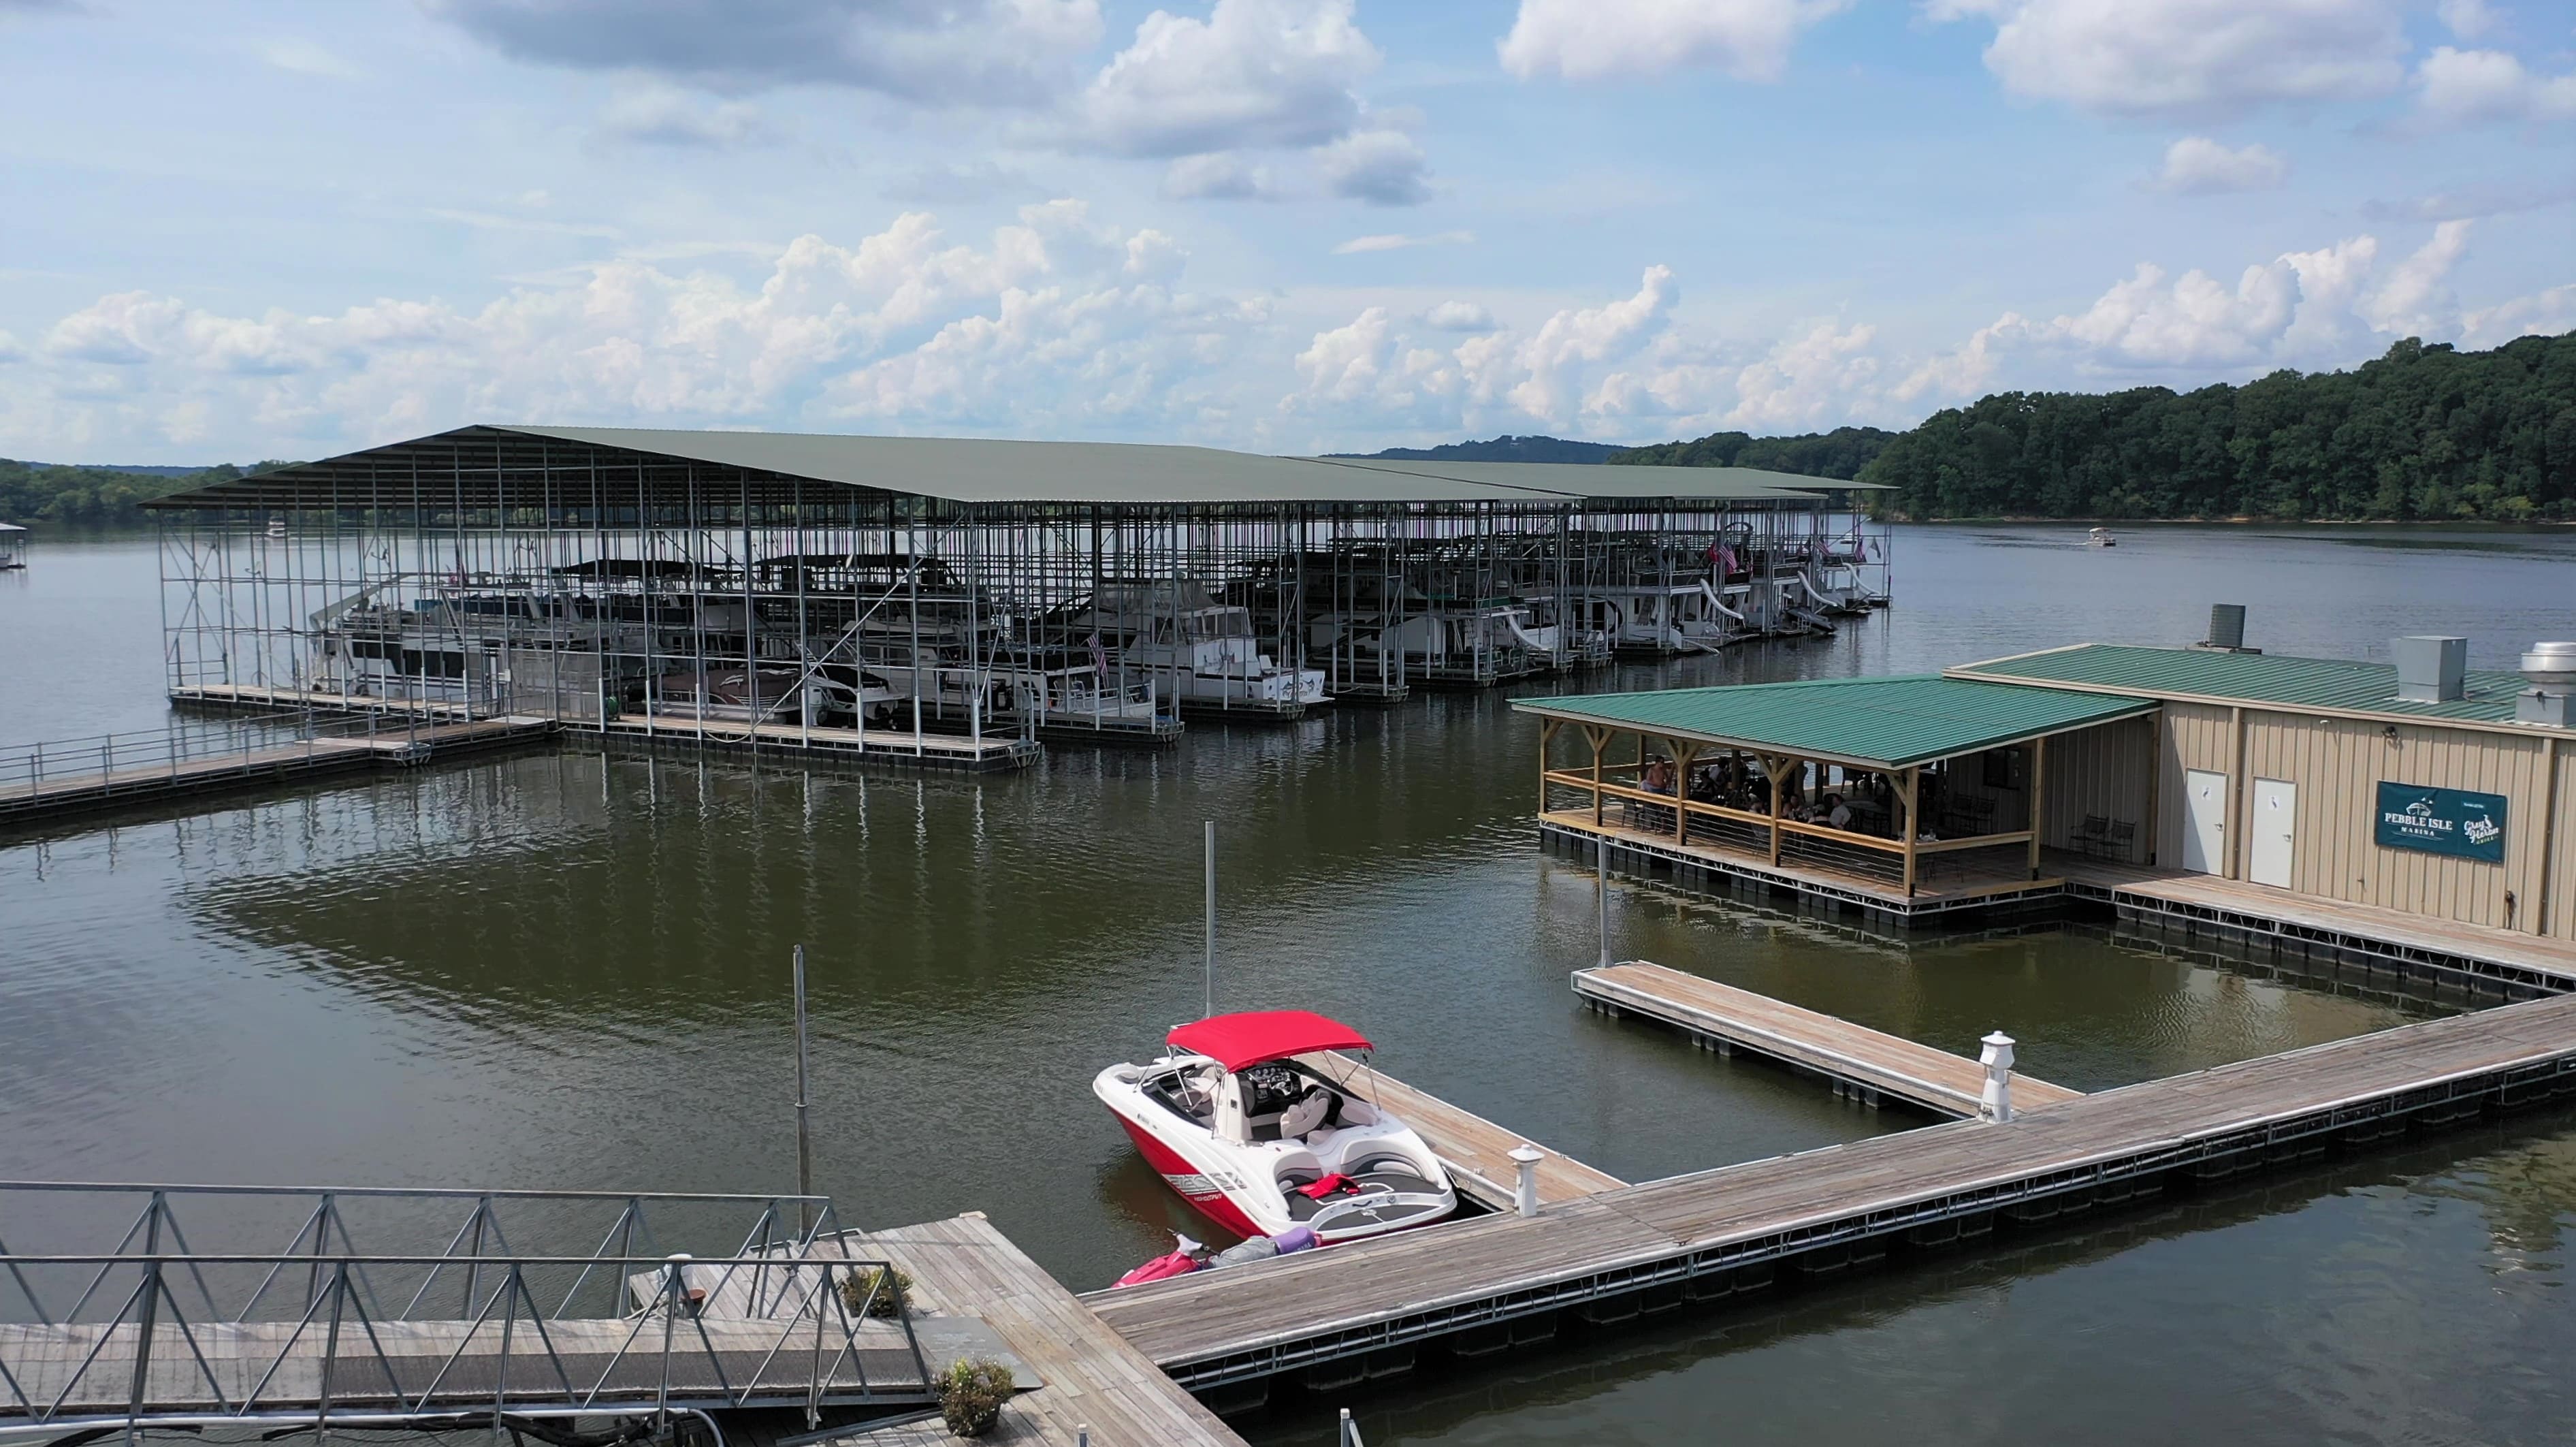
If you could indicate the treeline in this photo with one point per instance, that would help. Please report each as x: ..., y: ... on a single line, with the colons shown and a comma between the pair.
x: 2422, y: 433
x: 97, y: 496
x: 1842, y: 452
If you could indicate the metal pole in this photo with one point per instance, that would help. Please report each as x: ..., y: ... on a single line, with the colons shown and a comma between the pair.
x: 1211, y: 917
x: 804, y: 1142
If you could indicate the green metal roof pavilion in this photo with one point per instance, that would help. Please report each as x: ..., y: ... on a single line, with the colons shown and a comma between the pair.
x: 1873, y: 723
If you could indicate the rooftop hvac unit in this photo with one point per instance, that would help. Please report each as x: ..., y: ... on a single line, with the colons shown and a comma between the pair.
x: 2226, y: 630
x: 2431, y: 669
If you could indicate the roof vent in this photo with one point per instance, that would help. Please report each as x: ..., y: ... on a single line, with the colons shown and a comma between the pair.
x: 2226, y: 630
x: 2550, y: 668
x: 2430, y: 669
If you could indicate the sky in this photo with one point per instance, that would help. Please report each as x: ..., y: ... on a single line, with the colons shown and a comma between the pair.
x: 281, y: 229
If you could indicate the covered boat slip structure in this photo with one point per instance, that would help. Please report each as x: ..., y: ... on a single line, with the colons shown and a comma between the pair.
x: 2411, y: 819
x: 871, y: 593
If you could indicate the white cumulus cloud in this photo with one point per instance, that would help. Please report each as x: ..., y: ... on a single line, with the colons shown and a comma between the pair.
x: 2190, y: 57
x: 1254, y: 73
x: 1380, y: 167
x: 1054, y: 325
x: 2199, y: 166
x: 1601, y: 39
x: 1219, y: 176
x: 2462, y: 87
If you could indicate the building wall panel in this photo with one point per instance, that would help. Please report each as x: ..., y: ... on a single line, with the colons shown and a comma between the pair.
x: 2100, y: 771
x: 2337, y: 766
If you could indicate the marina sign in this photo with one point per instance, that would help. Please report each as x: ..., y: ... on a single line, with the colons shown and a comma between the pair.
x: 2442, y: 821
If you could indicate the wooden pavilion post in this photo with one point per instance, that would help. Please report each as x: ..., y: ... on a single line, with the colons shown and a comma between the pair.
x: 2038, y: 797
x: 1682, y: 757
x: 1546, y: 735
x: 1771, y: 770
x: 1599, y: 738
x: 1913, y: 832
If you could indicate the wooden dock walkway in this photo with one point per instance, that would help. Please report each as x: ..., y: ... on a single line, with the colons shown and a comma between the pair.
x: 1869, y: 1062
x: 1368, y: 1306
x: 59, y: 794
x: 900, y: 746
x: 1092, y: 1377
x: 1476, y: 1151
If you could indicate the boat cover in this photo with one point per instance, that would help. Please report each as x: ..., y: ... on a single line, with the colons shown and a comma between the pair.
x: 1235, y: 1041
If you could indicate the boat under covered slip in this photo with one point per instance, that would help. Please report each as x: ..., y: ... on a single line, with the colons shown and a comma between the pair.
x: 1260, y: 1142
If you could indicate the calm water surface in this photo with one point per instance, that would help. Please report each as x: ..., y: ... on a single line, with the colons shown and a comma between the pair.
x: 560, y: 970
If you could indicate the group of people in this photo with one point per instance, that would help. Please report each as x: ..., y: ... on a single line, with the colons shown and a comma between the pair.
x: 1734, y: 782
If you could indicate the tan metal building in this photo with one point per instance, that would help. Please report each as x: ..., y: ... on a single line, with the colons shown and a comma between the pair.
x: 2434, y: 790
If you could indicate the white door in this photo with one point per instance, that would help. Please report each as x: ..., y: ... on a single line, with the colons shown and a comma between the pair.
x: 2276, y: 804
x: 2204, y: 821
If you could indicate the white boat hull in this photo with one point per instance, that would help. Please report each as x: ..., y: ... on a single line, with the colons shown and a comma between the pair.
x: 1251, y: 1187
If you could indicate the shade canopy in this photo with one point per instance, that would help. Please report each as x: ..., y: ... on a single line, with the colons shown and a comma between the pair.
x: 1235, y: 1041
x: 1872, y: 723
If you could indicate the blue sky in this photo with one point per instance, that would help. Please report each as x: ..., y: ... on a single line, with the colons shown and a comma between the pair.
x: 291, y: 229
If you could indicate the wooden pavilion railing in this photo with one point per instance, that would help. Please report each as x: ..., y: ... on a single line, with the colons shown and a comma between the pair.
x: 1899, y: 861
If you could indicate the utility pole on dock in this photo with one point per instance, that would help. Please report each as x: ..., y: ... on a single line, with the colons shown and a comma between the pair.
x: 804, y: 1142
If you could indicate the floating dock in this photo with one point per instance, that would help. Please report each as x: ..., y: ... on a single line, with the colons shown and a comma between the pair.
x: 1861, y: 1062
x: 1476, y: 1151
x: 1092, y: 1377
x: 1367, y: 1308
x: 126, y: 774
x: 2392, y: 946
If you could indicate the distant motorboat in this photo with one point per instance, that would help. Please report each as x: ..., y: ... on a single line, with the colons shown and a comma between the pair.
x: 2100, y: 538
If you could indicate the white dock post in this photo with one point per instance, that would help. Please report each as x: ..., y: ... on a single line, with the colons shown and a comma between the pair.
x: 1525, y: 1193
x: 1997, y: 1058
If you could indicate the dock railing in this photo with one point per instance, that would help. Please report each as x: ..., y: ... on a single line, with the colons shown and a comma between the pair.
x: 159, y: 1332
x: 112, y: 761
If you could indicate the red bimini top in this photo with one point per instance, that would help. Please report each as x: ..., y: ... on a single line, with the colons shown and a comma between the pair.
x: 1235, y: 1041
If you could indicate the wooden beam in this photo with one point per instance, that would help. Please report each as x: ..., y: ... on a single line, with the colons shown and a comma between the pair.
x: 1547, y: 728
x: 1682, y: 757
x: 1913, y: 832
x: 1771, y: 770
x: 2038, y: 798
x: 1599, y: 738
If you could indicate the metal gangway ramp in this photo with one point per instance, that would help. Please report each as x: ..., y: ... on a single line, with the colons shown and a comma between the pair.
x: 273, y: 1307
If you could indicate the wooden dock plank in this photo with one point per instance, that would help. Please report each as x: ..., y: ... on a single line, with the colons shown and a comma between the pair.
x: 1203, y: 1317
x: 1094, y: 1378
x: 1476, y: 1150
x: 1934, y: 1079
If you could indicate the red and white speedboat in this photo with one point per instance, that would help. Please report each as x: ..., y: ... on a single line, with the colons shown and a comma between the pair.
x: 1262, y: 1142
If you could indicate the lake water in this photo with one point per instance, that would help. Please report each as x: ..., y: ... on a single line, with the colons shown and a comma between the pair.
x: 561, y: 970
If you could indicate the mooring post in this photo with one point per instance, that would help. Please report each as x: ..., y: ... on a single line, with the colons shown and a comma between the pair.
x: 1997, y: 1058
x: 1525, y: 1192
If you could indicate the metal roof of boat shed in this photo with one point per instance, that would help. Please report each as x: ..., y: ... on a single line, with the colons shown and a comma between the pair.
x: 2205, y: 675
x: 524, y: 464
x: 1882, y: 723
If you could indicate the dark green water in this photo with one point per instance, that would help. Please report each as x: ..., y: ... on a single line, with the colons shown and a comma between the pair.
x: 563, y: 970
